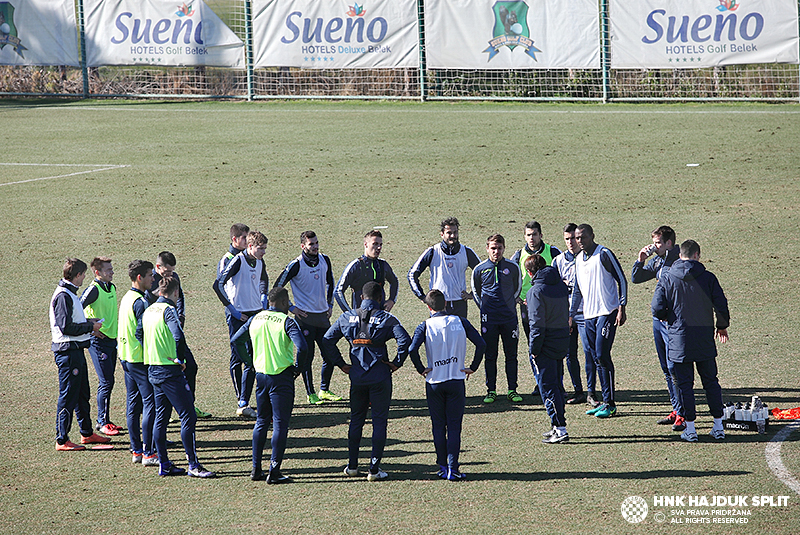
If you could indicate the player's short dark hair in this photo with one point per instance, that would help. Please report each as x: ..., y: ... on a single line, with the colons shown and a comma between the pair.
x: 570, y: 227
x: 256, y: 238
x: 168, y: 285
x: 534, y: 263
x: 98, y: 261
x: 449, y: 222
x: 435, y: 300
x: 73, y: 267
x: 666, y: 233
x: 238, y: 230
x: 533, y: 225
x: 307, y: 235
x: 278, y: 294
x: 373, y: 234
x: 139, y: 268
x: 586, y: 227
x: 165, y: 258
x: 496, y: 238
x: 372, y: 290
x: 689, y: 248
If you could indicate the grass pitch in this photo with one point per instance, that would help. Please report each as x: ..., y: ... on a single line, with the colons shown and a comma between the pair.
x: 169, y: 175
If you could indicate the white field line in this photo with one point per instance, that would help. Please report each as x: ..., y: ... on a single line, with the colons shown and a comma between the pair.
x: 100, y: 167
x: 773, y: 455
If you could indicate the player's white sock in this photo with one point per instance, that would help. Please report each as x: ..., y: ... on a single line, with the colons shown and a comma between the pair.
x: 690, y: 427
x: 717, y: 424
x: 561, y: 430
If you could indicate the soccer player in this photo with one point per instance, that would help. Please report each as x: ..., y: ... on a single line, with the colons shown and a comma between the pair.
x: 687, y: 296
x: 445, y: 338
x: 164, y: 352
x: 140, y: 400
x: 272, y: 333
x: 448, y: 261
x: 99, y: 301
x: 165, y: 267
x: 565, y: 264
x: 71, y: 334
x: 366, y: 268
x: 666, y: 252
x: 367, y: 329
x: 533, y: 245
x: 238, y: 244
x: 242, y: 289
x: 311, y: 278
x: 495, y: 286
x: 548, y: 313
x: 601, y: 286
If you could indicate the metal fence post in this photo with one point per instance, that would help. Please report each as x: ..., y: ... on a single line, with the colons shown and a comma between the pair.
x: 248, y: 48
x: 82, y: 37
x: 422, y: 61
x: 605, y: 51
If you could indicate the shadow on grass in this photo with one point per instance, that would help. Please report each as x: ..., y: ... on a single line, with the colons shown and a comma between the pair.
x: 327, y: 450
x: 646, y: 474
x: 400, y: 472
x: 731, y: 437
x: 423, y: 472
x: 774, y: 396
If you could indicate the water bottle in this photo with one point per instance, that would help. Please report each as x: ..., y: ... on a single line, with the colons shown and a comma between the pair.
x: 758, y: 409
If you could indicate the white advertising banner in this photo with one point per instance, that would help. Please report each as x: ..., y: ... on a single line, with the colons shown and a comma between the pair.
x: 670, y: 34
x: 38, y: 32
x: 158, y: 32
x: 531, y: 34
x: 329, y: 34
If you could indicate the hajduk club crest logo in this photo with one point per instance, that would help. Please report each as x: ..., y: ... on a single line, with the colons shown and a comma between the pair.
x: 8, y: 31
x: 511, y: 29
x: 634, y: 509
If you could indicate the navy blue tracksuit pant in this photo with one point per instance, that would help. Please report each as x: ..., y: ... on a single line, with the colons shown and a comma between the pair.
x: 599, y: 337
x: 446, y: 402
x: 492, y: 334
x: 684, y: 374
x: 242, y: 373
x: 73, y: 393
x: 661, y: 338
x: 191, y: 371
x: 573, y: 365
x: 141, y: 403
x: 550, y: 378
x: 274, y: 401
x: 315, y: 334
x: 591, y: 367
x: 170, y: 389
x: 378, y: 396
x: 104, y: 357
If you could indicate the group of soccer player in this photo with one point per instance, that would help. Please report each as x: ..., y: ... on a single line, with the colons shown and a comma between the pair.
x: 145, y: 331
x: 562, y: 296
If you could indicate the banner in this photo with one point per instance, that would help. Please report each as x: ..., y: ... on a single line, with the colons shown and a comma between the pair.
x: 669, y: 34
x: 531, y: 34
x: 335, y: 34
x: 38, y: 32
x: 159, y: 32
